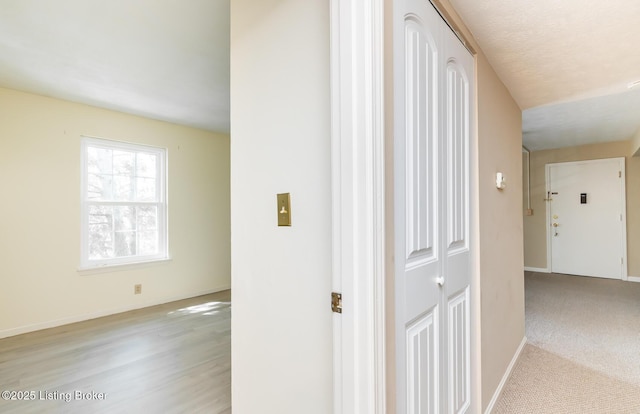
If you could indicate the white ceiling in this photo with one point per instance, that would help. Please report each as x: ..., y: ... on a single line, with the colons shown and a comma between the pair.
x: 169, y: 59
x: 562, y: 60
x: 163, y: 59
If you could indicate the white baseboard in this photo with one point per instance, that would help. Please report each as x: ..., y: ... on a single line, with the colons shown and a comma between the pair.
x: 505, y: 377
x: 536, y: 269
x: 633, y: 279
x: 93, y: 315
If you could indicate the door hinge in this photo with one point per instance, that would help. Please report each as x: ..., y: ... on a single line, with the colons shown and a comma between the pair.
x: 622, y: 260
x: 336, y: 302
x: 619, y: 174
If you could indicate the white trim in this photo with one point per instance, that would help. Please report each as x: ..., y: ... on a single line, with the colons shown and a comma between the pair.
x: 547, y: 206
x: 537, y: 269
x: 623, y: 242
x: 118, y: 267
x: 635, y: 279
x: 505, y: 377
x: 358, y: 196
x: 474, y: 226
x: 99, y: 314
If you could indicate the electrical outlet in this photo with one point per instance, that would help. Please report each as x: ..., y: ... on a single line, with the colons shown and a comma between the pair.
x: 137, y: 289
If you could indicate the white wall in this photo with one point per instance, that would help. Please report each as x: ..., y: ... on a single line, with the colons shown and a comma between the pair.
x: 40, y: 214
x: 280, y: 142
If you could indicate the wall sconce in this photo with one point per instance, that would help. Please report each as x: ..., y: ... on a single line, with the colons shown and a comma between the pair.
x: 501, y: 181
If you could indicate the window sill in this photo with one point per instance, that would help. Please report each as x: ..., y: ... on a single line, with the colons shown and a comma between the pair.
x: 119, y: 267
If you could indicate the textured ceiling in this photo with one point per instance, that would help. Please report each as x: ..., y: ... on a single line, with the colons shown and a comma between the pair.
x: 169, y: 59
x: 163, y: 59
x: 588, y: 121
x: 549, y: 52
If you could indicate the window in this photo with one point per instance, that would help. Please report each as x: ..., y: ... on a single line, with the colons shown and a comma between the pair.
x: 124, y: 207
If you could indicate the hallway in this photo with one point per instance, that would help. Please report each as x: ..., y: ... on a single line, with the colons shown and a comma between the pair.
x: 581, y: 354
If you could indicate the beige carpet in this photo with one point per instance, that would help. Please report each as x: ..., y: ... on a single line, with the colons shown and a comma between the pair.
x: 583, y: 354
x: 542, y: 383
x: 593, y: 322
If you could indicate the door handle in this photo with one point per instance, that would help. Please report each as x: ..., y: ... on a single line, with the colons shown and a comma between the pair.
x: 555, y: 224
x: 440, y: 281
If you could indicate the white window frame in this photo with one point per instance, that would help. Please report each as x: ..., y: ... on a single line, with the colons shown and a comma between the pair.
x: 161, y: 203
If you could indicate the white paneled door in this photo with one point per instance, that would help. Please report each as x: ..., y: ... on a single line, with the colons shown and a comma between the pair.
x: 434, y: 90
x: 587, y: 223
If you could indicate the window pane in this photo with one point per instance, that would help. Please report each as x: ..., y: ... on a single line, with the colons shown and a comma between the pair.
x: 124, y: 218
x: 146, y: 165
x: 99, y: 160
x: 100, y: 241
x: 146, y: 189
x: 101, y: 215
x: 147, y: 218
x: 100, y: 232
x: 147, y: 242
x: 122, y: 188
x: 100, y: 187
x: 123, y: 162
x: 125, y: 243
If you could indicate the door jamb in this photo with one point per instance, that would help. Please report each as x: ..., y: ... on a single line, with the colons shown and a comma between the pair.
x: 547, y: 177
x: 358, y: 204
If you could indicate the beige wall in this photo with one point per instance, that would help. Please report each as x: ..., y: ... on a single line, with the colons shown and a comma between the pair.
x: 535, y: 240
x: 40, y: 214
x: 280, y: 142
x: 501, y: 233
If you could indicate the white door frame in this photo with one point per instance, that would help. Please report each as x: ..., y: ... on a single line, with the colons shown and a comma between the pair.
x: 625, y: 273
x: 358, y: 209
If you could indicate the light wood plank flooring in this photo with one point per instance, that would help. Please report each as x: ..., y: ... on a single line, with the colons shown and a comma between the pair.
x: 171, y: 358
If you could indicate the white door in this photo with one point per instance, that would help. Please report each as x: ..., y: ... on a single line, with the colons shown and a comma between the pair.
x: 587, y: 223
x: 433, y: 108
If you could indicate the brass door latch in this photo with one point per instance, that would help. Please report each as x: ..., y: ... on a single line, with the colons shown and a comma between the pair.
x: 336, y: 302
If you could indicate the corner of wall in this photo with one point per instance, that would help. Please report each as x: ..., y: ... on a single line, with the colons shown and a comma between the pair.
x: 505, y: 377
x: 635, y: 144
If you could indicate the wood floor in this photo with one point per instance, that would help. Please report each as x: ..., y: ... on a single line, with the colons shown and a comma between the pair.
x: 171, y: 358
